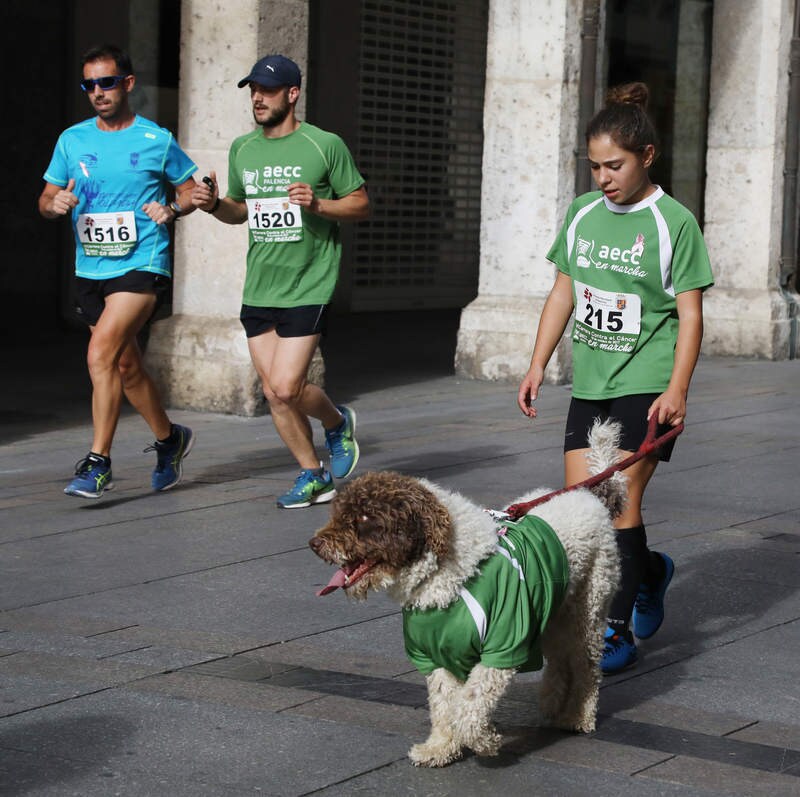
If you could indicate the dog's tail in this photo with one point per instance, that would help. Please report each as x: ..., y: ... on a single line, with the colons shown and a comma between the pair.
x: 603, y: 453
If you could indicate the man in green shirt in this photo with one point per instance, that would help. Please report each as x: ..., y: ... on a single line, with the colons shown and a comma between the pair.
x: 292, y: 183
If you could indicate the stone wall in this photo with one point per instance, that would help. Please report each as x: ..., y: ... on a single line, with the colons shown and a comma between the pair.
x: 199, y: 355
x: 746, y: 312
x: 530, y: 109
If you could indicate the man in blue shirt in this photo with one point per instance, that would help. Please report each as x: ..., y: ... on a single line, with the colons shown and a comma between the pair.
x: 111, y: 174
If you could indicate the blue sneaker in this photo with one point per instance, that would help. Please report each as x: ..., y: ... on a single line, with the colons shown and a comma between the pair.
x: 92, y: 477
x: 648, y: 611
x: 170, y: 456
x: 309, y: 488
x: 618, y: 654
x: 341, y: 443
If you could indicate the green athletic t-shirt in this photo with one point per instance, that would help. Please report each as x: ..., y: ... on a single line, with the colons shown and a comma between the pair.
x: 293, y: 257
x: 627, y: 263
x: 501, y: 613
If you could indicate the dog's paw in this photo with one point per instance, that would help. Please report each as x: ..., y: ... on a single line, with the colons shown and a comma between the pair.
x: 551, y: 705
x: 434, y: 755
x: 572, y: 723
x: 488, y: 744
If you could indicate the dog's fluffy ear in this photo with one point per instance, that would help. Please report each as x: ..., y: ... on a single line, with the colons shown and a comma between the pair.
x: 438, y: 526
x: 431, y: 514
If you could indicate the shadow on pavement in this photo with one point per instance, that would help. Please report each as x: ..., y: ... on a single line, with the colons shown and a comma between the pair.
x: 47, y: 386
x: 29, y: 768
x: 716, y: 600
x: 370, y: 351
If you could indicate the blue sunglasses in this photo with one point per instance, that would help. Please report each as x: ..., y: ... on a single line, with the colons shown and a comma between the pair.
x: 105, y: 83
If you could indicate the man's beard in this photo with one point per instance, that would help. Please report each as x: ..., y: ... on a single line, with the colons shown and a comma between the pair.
x: 277, y: 117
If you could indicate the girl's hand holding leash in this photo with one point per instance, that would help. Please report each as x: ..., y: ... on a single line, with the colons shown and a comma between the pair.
x: 669, y: 407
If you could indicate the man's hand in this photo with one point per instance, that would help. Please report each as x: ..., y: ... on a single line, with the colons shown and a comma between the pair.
x: 203, y: 195
x: 302, y: 194
x: 64, y: 201
x: 351, y: 207
x: 160, y: 214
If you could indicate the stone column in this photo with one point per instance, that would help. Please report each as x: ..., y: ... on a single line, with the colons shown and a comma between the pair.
x: 199, y: 355
x: 746, y: 312
x: 691, y: 91
x: 530, y: 113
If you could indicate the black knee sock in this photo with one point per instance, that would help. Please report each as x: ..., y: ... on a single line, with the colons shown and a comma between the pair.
x: 632, y: 546
x: 656, y: 569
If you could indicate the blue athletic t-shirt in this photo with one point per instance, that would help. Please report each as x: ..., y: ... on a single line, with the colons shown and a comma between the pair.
x: 115, y: 174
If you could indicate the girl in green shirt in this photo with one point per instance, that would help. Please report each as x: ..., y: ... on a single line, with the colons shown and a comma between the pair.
x: 632, y: 268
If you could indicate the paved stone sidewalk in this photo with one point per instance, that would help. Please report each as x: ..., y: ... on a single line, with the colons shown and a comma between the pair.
x: 173, y: 644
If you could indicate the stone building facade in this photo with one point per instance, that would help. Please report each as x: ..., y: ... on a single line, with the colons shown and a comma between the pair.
x: 531, y: 103
x: 748, y: 312
x: 466, y: 116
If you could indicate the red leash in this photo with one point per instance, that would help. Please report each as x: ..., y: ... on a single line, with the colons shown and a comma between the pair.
x: 649, y: 444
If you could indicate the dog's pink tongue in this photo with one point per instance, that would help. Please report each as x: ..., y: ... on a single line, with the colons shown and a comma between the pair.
x: 338, y: 580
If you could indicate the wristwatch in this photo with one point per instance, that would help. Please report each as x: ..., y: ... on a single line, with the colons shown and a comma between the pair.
x: 176, y: 209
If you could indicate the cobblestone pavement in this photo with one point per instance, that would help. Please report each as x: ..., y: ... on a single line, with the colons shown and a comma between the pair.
x: 172, y: 644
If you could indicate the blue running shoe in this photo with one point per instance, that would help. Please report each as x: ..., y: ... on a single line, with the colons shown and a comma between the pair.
x: 309, y: 488
x: 92, y: 477
x: 341, y: 443
x: 618, y: 654
x: 170, y: 456
x: 648, y: 611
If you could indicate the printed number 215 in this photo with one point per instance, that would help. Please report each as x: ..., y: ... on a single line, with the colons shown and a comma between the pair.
x: 594, y: 318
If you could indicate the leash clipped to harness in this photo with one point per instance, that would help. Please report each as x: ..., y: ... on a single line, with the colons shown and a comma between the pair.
x: 650, y: 444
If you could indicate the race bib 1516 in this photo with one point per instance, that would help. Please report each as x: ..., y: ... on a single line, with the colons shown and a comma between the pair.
x: 107, y: 234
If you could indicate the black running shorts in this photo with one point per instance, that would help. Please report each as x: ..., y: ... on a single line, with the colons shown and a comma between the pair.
x: 288, y: 322
x: 90, y: 295
x: 631, y: 411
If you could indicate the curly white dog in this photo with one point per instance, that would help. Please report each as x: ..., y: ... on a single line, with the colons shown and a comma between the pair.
x: 483, y: 599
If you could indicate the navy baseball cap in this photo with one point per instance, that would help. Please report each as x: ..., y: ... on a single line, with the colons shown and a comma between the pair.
x: 273, y: 71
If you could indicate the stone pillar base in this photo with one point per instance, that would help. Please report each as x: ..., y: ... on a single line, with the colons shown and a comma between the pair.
x: 496, y: 336
x: 202, y: 363
x: 751, y: 323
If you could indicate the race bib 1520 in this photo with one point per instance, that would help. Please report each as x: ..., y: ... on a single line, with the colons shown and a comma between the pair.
x: 274, y: 220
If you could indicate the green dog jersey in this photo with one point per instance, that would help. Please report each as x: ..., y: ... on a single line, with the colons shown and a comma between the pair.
x: 293, y: 256
x: 627, y: 263
x: 501, y: 612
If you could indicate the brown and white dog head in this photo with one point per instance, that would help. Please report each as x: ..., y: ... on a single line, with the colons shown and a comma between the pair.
x: 383, y: 526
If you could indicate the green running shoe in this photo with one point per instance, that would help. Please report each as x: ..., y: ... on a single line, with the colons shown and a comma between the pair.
x: 342, y: 445
x: 309, y: 488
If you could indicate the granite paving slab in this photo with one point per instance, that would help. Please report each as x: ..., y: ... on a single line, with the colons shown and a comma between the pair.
x: 159, y: 736
x: 173, y: 644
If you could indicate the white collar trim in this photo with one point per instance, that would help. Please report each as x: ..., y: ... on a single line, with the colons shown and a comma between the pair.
x: 647, y: 202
